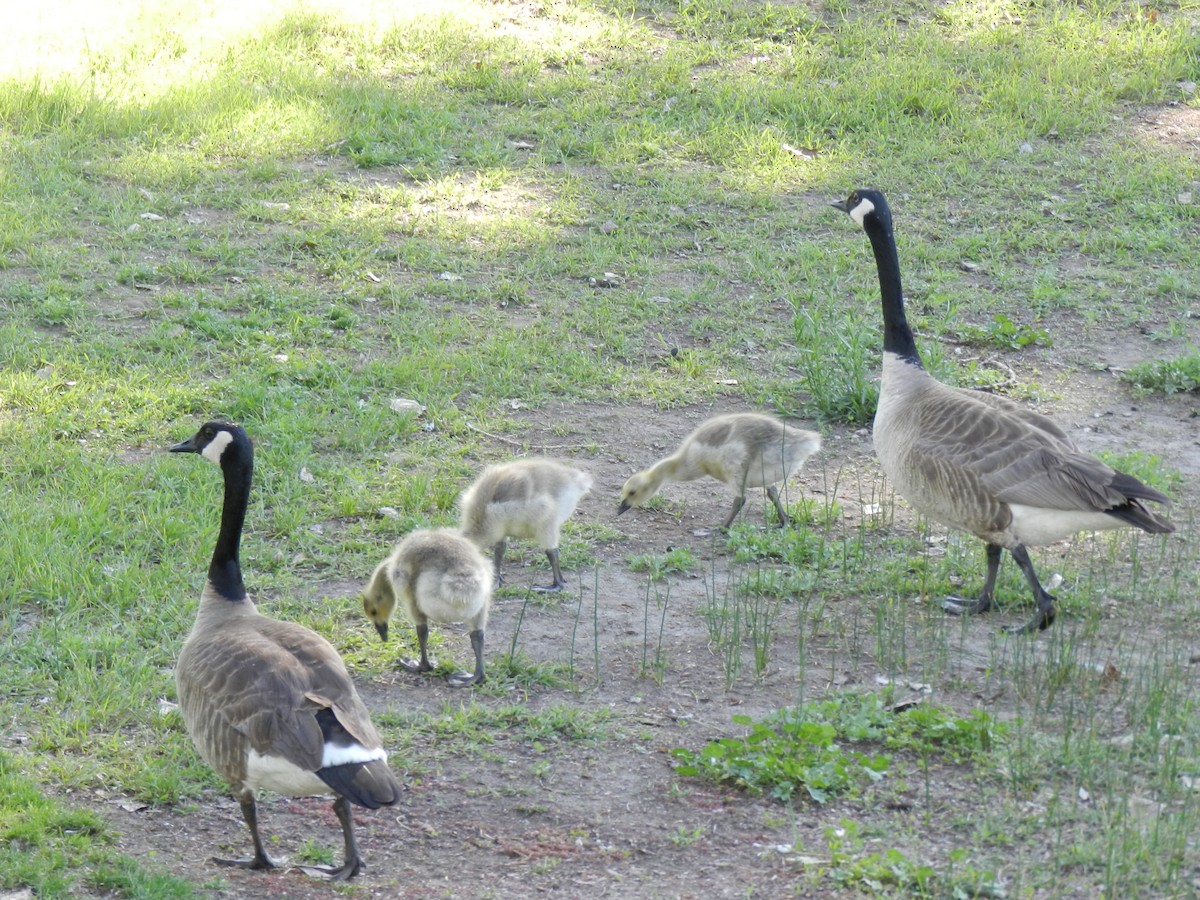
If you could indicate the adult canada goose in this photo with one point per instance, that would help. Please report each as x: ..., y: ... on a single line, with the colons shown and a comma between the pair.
x: 744, y: 450
x: 525, y: 498
x: 269, y: 704
x: 979, y: 462
x: 437, y: 574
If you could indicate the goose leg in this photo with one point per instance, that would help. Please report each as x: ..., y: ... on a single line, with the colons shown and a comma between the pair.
x: 260, y: 860
x: 957, y: 606
x: 1044, y: 616
x: 497, y: 557
x: 353, y: 860
x: 423, y: 664
x: 462, y: 679
x: 773, y: 493
x: 559, y: 582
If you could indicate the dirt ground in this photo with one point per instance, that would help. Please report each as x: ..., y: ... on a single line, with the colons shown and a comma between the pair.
x: 610, y: 818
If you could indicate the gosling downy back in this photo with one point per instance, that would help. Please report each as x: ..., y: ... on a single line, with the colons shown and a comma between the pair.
x: 526, y: 498
x: 744, y: 450
x: 982, y: 463
x: 269, y: 704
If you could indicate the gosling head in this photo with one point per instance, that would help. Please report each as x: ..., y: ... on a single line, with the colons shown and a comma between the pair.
x: 866, y: 204
x: 637, y: 491
x: 379, y: 599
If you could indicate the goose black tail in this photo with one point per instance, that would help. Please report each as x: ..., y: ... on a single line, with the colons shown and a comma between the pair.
x: 370, y: 783
x: 1133, y: 512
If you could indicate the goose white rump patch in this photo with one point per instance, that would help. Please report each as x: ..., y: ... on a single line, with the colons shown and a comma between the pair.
x: 339, y: 755
x: 1035, y: 527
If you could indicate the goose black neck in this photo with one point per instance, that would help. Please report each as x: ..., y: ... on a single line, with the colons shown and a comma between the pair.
x: 225, y: 570
x: 897, y: 336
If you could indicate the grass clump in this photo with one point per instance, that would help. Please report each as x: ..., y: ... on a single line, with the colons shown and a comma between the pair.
x: 803, y: 748
x: 658, y: 565
x: 1005, y: 334
x: 57, y: 851
x: 1166, y: 376
x: 893, y: 872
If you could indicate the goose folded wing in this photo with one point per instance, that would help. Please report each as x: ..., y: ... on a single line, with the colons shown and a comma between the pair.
x: 289, y: 732
x: 1022, y: 417
x: 1049, y: 480
x: 297, y: 675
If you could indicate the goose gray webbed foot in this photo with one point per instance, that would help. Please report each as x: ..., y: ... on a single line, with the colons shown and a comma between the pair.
x: 959, y: 606
x: 259, y: 861
x: 353, y: 864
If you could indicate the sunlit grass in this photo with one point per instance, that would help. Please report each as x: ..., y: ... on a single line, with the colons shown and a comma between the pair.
x: 293, y: 214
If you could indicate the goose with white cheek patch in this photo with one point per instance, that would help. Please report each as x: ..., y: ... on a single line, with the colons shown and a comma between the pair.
x: 269, y: 704
x: 979, y: 462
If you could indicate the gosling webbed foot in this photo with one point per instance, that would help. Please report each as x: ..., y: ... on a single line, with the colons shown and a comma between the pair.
x: 465, y: 679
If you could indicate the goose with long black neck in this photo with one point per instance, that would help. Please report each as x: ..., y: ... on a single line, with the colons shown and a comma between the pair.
x: 269, y: 704
x: 982, y: 463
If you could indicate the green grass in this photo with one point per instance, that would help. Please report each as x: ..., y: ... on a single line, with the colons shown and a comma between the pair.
x: 812, y: 750
x: 1167, y: 376
x: 55, y: 850
x: 292, y: 218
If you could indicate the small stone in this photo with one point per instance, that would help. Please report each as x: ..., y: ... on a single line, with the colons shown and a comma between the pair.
x: 404, y: 405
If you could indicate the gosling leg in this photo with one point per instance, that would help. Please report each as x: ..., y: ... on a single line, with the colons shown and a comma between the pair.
x: 738, y: 503
x: 497, y: 558
x: 463, y: 679
x: 559, y: 582
x: 773, y: 493
x: 423, y: 664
